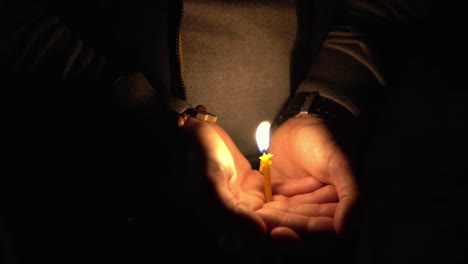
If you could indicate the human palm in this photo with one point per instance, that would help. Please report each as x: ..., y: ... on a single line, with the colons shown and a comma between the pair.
x: 313, y: 184
x: 233, y: 183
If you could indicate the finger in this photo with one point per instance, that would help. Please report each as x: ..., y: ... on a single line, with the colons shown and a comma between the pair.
x: 243, y: 210
x: 297, y: 186
x: 347, y: 191
x: 298, y: 223
x: 326, y: 194
x: 344, y: 210
x: 284, y: 234
x: 326, y: 209
x: 252, y: 217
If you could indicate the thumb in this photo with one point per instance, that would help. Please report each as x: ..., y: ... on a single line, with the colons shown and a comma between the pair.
x: 348, y: 193
x: 346, y: 214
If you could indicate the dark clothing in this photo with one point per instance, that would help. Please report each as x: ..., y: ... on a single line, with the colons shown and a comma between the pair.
x: 85, y: 125
x: 257, y: 76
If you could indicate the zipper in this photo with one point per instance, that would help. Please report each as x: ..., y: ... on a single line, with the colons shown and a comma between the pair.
x: 179, y: 81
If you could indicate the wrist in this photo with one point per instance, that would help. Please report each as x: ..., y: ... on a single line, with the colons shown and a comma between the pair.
x: 314, y: 105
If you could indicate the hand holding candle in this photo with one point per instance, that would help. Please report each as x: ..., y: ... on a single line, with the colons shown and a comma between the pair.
x: 263, y: 140
x: 320, y: 193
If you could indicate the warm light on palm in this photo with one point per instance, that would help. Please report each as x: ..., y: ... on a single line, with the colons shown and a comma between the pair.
x: 313, y: 185
x: 310, y: 174
x: 236, y: 184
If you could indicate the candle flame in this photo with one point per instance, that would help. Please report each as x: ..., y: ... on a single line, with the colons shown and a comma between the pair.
x: 262, y: 136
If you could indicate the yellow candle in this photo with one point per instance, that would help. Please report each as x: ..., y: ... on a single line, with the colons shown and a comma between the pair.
x: 265, y: 162
x: 263, y: 141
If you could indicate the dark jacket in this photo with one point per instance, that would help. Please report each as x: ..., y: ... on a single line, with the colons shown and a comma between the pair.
x: 339, y: 49
x: 125, y: 54
x: 84, y: 109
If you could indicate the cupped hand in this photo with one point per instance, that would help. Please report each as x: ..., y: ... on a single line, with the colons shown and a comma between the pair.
x: 313, y: 183
x: 224, y: 179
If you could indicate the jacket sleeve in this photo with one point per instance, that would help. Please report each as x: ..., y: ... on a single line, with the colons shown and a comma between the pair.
x: 37, y: 45
x: 352, y: 64
x: 60, y: 95
x: 33, y: 40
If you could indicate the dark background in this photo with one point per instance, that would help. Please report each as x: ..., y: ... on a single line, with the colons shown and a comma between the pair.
x: 413, y: 180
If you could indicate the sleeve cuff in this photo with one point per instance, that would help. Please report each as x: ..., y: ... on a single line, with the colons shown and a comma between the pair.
x: 339, y: 76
